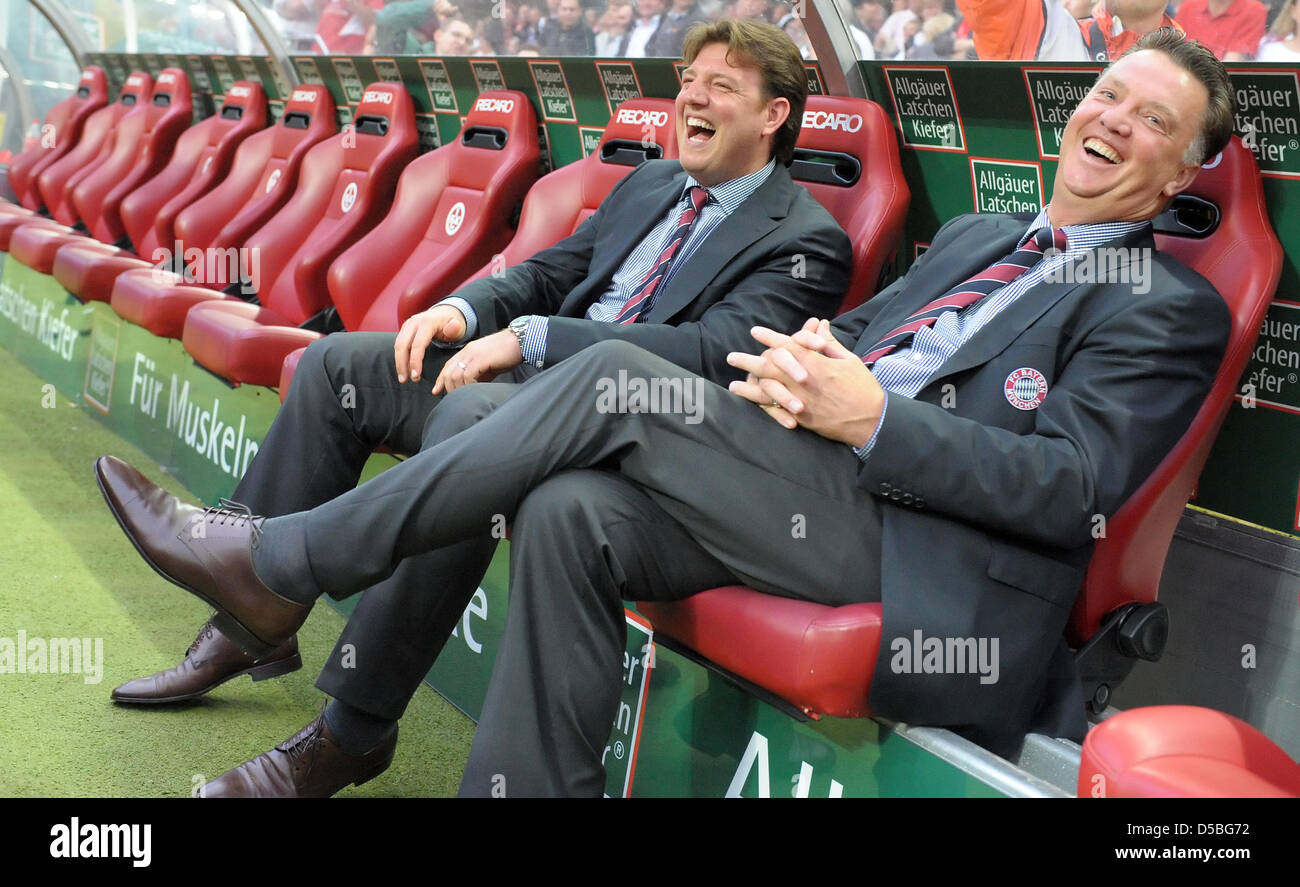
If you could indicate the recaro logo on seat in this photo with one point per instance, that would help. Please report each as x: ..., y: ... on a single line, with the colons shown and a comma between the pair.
x: 349, y: 197
x: 133, y: 80
x: 303, y: 95
x: 241, y: 91
x: 374, y: 95
x: 497, y: 106
x: 827, y: 120
x: 271, y: 180
x: 166, y: 78
x: 640, y: 117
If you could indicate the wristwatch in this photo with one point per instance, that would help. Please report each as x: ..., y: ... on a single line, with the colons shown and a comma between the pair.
x: 519, y: 326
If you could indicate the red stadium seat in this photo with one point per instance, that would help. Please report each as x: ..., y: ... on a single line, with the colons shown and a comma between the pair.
x: 202, y: 158
x: 561, y: 201
x: 838, y: 138
x: 1241, y: 256
x: 262, y: 178
x: 54, y: 183
x: 143, y: 142
x: 345, y: 186
x: 453, y: 212
x: 1180, y: 751
x: 63, y: 124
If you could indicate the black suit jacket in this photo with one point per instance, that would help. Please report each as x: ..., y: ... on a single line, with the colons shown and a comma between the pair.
x: 777, y: 260
x: 990, y: 510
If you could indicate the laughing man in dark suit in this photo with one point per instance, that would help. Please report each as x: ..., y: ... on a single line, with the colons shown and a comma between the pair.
x: 759, y: 249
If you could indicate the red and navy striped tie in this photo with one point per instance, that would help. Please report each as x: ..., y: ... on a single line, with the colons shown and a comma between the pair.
x: 970, y: 291
x: 645, y: 290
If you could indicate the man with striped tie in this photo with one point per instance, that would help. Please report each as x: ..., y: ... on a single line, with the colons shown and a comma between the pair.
x: 682, y: 258
x: 943, y: 449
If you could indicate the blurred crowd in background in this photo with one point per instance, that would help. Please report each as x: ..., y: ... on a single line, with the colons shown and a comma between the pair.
x: 1236, y: 30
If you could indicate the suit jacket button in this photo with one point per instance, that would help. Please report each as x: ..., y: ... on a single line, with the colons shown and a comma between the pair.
x: 896, y: 495
x: 919, y: 502
x: 907, y: 498
x: 885, y: 488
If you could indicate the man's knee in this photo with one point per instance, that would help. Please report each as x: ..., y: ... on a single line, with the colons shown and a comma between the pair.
x: 343, y: 359
x: 579, y: 505
x: 462, y: 409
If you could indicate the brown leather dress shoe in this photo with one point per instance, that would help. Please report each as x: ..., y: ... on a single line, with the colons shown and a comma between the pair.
x: 211, y: 661
x: 206, y: 551
x: 307, y: 765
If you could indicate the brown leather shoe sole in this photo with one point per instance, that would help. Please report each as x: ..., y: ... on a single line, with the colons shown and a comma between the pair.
x: 257, y: 673
x: 224, y: 622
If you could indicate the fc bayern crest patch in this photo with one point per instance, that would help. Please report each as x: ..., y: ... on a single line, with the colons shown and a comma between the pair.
x: 1025, y: 388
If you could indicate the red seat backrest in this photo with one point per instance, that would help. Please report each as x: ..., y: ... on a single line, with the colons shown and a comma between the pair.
x: 1243, y: 259
x: 452, y: 213
x: 60, y: 131
x: 847, y: 156
x: 344, y: 187
x: 98, y: 136
x: 144, y: 141
x: 262, y: 177
x: 201, y: 160
x: 563, y: 200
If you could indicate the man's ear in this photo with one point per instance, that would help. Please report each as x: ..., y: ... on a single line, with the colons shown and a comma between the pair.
x: 1180, y: 183
x: 778, y: 111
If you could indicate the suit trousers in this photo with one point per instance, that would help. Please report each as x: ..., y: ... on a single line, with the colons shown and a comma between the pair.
x: 612, y: 498
x: 316, y: 450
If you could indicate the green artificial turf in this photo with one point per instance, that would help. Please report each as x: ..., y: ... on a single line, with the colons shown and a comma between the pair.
x: 66, y: 571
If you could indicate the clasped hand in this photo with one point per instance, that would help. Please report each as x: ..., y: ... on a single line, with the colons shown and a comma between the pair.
x: 810, y: 380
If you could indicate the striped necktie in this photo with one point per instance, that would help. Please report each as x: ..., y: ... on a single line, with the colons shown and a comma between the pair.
x: 970, y: 291
x: 639, y: 304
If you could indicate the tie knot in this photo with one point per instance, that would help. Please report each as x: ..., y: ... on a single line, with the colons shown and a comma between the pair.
x: 1050, y: 237
x: 699, y: 197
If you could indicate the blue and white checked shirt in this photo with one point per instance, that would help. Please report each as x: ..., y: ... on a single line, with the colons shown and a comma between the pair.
x: 723, y: 201
x: 907, y: 369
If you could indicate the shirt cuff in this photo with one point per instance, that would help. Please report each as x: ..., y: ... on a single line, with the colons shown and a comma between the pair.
x: 534, y: 346
x: 471, y: 321
x: 864, y: 451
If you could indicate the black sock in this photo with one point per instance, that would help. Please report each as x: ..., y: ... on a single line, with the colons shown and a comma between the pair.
x: 279, y: 560
x: 356, y: 731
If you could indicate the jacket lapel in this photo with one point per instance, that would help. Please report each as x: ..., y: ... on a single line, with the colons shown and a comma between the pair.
x: 987, y: 242
x: 622, y: 236
x: 756, y: 216
x: 1025, y: 311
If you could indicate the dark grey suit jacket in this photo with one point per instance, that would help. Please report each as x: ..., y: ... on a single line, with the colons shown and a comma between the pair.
x: 776, y: 261
x: 989, y: 510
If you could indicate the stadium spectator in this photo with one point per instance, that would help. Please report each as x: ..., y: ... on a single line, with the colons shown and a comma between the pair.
x: 407, y: 26
x: 755, y: 10
x: 1283, y: 41
x: 864, y: 24
x: 1232, y: 29
x: 649, y: 15
x: 614, y: 23
x: 298, y: 20
x: 667, y: 41
x: 567, y: 33
x: 935, y: 41
x: 343, y: 25
x: 890, y: 39
x: 1043, y: 29
x: 795, y: 30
